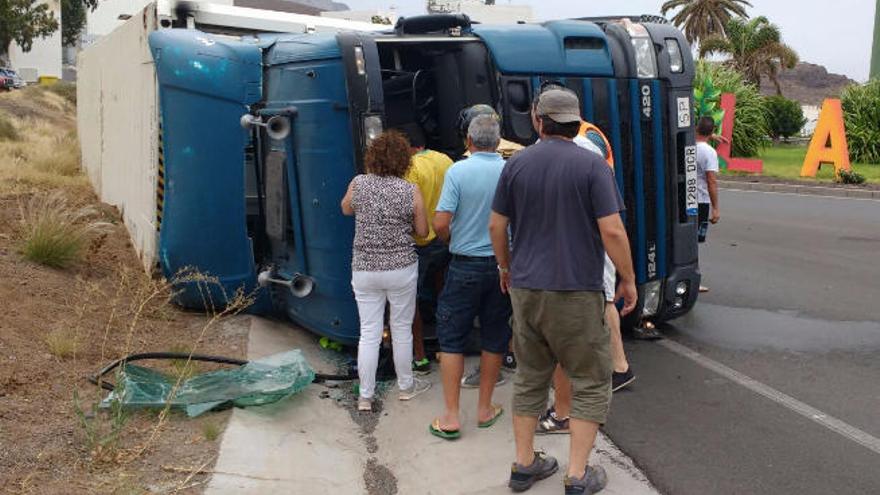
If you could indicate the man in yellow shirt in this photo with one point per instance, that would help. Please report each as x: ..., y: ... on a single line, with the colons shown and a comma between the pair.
x: 427, y: 171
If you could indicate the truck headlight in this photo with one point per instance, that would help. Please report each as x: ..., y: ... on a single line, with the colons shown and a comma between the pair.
x: 676, y: 61
x: 359, y: 60
x: 646, y: 61
x: 681, y: 288
x: 652, y: 298
x: 372, y: 128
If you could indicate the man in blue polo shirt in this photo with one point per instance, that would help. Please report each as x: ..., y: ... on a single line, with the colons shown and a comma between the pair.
x: 472, y: 282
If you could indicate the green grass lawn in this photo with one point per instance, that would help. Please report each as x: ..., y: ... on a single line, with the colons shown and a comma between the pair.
x: 785, y: 161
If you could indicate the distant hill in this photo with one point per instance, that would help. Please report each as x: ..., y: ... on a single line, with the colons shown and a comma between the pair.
x: 808, y: 83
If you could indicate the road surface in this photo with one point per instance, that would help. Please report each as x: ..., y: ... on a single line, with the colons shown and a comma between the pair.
x: 772, y: 384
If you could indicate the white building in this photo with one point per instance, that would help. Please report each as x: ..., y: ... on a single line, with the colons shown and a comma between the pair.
x: 110, y: 14
x: 44, y: 58
x: 363, y: 15
x: 480, y: 12
x: 811, y: 113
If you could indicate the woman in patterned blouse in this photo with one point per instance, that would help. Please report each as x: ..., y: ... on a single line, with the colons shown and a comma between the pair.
x: 388, y: 210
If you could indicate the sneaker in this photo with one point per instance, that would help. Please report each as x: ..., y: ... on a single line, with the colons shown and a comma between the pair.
x: 646, y: 332
x: 365, y: 405
x: 621, y: 380
x: 594, y: 480
x: 509, y: 361
x: 523, y: 477
x: 549, y: 423
x: 418, y: 388
x: 421, y: 367
x: 473, y: 379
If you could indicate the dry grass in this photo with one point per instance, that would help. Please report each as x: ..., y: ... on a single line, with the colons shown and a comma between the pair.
x: 211, y: 431
x: 54, y: 233
x: 62, y: 343
x: 38, y: 143
x: 8, y: 131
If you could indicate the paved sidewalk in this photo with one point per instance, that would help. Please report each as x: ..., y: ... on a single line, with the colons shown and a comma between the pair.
x: 315, y: 443
x: 839, y: 192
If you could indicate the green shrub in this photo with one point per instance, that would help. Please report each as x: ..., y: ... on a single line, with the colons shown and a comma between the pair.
x: 55, y: 234
x: 64, y: 89
x: 785, y: 118
x: 861, y: 110
x: 849, y: 177
x: 750, y: 128
x: 8, y: 132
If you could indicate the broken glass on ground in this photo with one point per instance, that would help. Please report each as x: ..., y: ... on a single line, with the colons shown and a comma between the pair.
x: 258, y: 382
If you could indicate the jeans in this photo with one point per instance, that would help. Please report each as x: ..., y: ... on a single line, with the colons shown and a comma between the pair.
x: 371, y: 291
x: 433, y: 260
x: 472, y: 289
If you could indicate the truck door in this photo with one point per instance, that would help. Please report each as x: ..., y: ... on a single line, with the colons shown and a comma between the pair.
x: 320, y: 81
x: 205, y: 83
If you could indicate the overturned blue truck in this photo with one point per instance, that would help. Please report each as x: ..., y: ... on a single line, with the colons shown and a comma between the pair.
x: 259, y: 133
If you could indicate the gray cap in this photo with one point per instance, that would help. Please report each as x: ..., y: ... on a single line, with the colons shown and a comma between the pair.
x: 560, y: 105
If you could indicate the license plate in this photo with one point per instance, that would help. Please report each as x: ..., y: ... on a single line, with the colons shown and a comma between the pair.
x: 690, y: 170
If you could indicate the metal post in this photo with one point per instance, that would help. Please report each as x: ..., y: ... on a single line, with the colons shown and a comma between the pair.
x: 875, y: 58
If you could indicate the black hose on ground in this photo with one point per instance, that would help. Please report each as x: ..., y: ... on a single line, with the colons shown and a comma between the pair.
x: 98, y: 380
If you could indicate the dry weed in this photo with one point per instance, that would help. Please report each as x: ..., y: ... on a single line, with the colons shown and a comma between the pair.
x: 54, y: 233
x: 8, y: 131
x: 211, y: 431
x: 46, y: 153
x: 62, y: 343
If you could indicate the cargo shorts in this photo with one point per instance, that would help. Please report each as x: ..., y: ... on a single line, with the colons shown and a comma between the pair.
x: 568, y: 328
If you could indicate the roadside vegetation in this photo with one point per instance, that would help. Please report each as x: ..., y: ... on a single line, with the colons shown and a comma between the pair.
x: 752, y: 48
x: 784, y: 161
x: 76, y: 297
x: 56, y: 234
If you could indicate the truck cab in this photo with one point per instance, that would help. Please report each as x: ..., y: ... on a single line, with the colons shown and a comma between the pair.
x: 261, y: 135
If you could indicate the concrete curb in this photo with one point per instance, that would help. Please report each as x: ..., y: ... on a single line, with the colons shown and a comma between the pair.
x: 838, y: 192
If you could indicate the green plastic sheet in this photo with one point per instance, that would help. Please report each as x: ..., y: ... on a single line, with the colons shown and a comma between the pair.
x: 259, y: 382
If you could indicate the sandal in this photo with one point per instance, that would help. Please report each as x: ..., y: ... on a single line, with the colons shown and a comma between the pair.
x: 498, y: 411
x: 437, y: 431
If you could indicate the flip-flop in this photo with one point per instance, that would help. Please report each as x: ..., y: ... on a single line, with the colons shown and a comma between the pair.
x: 498, y: 412
x: 435, y: 429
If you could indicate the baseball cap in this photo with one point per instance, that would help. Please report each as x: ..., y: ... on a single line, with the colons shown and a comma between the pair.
x: 559, y: 105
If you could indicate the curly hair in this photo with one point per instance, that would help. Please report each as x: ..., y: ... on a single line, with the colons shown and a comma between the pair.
x: 388, y: 155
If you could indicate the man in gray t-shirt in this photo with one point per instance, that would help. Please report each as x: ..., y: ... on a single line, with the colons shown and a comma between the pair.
x: 562, y: 207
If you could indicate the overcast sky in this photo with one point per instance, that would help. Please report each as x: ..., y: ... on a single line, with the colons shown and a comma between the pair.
x: 833, y: 33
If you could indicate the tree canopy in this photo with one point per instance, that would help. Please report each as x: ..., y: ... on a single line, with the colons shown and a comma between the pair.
x: 22, y: 21
x: 785, y: 117
x: 700, y: 19
x: 755, y: 48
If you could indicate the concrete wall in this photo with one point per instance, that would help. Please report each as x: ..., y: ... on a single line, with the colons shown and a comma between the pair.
x: 117, y: 123
x: 44, y: 58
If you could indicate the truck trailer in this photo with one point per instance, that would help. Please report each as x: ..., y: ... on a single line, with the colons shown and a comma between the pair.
x: 228, y: 136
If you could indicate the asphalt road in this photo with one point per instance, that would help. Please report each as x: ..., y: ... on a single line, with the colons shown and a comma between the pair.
x: 795, y: 305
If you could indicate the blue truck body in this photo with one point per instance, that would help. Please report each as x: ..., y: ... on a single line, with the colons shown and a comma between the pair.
x: 237, y: 203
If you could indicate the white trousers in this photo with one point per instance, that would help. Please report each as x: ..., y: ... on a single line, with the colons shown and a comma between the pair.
x: 371, y: 291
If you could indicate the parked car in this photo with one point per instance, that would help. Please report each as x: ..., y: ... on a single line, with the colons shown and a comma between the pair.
x: 6, y: 83
x: 16, y: 81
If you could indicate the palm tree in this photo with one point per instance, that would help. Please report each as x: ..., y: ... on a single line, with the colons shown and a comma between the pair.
x: 700, y: 19
x: 755, y: 49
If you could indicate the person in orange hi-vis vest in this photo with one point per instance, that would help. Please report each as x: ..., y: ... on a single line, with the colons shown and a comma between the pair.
x: 555, y: 420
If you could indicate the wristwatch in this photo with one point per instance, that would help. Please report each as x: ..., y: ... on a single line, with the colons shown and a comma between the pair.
x: 501, y: 269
